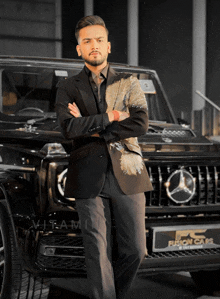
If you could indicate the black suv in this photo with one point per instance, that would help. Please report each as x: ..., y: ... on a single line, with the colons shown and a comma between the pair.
x: 40, y: 233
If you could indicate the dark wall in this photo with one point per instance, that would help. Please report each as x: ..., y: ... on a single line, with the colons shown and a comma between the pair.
x: 165, y: 30
x: 166, y: 46
x: 72, y: 11
x: 113, y: 12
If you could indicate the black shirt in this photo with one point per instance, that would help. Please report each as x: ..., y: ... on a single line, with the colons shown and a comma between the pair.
x: 99, y: 89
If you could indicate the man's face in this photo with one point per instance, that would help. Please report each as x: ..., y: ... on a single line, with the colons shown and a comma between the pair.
x: 93, y: 45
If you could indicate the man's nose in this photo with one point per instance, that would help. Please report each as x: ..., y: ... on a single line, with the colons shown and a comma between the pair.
x: 95, y: 44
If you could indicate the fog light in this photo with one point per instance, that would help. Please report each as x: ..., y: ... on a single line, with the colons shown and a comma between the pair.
x: 49, y: 251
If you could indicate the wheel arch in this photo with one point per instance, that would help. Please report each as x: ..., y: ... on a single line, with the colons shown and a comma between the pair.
x: 16, y: 281
x: 17, y: 198
x: 17, y: 193
x: 5, y: 202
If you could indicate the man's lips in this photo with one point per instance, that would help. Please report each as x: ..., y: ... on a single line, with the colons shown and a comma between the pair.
x: 95, y: 53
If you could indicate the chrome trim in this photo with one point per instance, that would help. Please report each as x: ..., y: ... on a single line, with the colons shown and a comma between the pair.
x: 199, y: 185
x: 17, y: 168
x: 160, y: 184
x: 151, y: 179
x: 215, y: 185
x: 208, y: 179
x: 43, y: 248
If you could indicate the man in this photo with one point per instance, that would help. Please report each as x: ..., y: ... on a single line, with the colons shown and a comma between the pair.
x: 103, y: 113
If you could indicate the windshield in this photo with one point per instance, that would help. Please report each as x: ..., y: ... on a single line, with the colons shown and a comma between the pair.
x: 31, y: 92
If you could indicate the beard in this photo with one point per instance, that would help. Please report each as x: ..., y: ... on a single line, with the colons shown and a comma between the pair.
x: 95, y: 62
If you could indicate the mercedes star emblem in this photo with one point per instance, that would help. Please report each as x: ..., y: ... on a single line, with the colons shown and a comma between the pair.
x: 180, y: 186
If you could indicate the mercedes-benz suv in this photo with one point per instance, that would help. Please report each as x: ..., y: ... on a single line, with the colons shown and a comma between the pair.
x: 40, y: 235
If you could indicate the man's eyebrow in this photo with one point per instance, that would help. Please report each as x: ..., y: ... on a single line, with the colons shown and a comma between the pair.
x: 87, y: 38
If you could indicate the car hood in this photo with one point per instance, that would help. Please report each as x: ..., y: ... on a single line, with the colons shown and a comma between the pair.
x: 161, y: 136
x: 17, y: 128
x: 164, y: 133
x: 173, y: 139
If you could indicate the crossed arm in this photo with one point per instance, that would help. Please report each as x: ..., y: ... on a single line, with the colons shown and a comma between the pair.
x: 74, y: 110
x: 125, y: 125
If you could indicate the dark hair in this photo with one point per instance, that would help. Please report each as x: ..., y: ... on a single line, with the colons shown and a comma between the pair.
x: 89, y: 21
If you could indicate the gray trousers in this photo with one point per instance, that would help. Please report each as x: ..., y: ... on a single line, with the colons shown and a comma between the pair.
x: 106, y: 279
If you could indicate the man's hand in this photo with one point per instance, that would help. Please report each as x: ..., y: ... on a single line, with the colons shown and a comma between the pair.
x: 74, y: 110
x: 122, y: 115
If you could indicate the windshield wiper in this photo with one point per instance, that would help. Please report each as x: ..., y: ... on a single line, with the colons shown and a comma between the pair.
x: 49, y: 115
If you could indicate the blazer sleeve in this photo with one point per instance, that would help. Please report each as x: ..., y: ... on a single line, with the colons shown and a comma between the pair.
x: 135, y: 125
x: 71, y: 126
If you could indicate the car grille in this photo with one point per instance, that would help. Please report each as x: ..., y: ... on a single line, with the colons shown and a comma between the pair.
x: 207, y: 185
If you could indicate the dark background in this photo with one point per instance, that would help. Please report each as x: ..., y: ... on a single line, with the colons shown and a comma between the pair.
x: 165, y: 42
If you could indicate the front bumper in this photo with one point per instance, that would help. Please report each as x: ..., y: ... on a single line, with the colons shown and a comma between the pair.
x: 61, y: 254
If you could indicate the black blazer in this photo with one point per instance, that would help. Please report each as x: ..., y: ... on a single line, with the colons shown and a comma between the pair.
x: 90, y: 156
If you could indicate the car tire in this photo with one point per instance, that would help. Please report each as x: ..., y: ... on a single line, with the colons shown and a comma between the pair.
x: 15, y: 282
x: 207, y: 282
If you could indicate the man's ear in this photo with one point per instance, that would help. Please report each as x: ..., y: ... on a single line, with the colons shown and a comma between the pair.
x: 78, y: 49
x: 109, y: 47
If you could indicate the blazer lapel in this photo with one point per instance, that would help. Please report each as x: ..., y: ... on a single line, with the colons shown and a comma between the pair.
x: 85, y: 90
x: 112, y: 90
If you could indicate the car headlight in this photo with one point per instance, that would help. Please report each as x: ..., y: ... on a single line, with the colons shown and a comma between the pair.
x: 57, y: 174
x: 61, y: 181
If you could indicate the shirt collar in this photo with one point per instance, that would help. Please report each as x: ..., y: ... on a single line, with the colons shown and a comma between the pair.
x: 103, y: 73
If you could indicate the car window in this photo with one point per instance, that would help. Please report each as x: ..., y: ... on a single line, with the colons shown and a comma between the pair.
x: 30, y: 90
